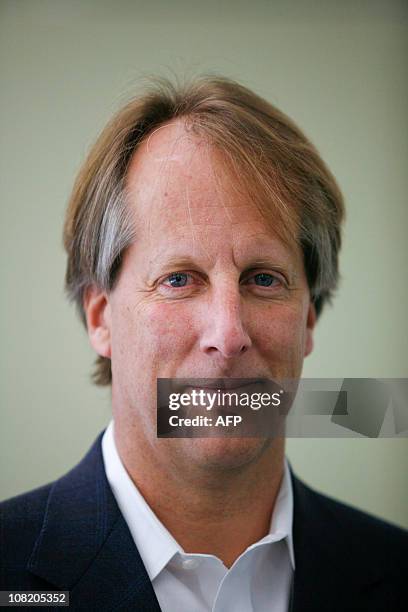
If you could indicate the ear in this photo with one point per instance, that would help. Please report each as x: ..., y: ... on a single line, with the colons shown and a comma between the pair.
x: 98, y: 320
x: 310, y: 324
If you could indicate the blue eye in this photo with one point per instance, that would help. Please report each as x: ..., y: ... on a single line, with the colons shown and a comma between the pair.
x: 178, y: 279
x: 264, y: 280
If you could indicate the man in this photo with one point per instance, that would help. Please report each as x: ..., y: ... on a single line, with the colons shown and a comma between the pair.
x: 202, y: 238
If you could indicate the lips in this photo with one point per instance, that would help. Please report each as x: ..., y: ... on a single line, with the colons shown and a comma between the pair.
x: 219, y: 383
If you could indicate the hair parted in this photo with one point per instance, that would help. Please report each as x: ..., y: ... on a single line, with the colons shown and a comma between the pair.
x: 270, y: 157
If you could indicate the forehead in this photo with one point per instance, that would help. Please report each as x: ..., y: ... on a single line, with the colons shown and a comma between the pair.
x: 180, y: 189
x: 175, y: 172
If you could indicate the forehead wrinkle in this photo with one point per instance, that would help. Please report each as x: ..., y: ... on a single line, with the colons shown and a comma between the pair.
x: 159, y: 185
x: 196, y: 240
x: 220, y: 199
x: 185, y: 163
x: 216, y: 179
x: 227, y: 194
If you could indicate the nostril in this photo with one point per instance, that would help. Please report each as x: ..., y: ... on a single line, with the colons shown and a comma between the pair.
x: 225, y: 334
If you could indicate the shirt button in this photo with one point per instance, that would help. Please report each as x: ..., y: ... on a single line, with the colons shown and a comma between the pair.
x: 190, y: 564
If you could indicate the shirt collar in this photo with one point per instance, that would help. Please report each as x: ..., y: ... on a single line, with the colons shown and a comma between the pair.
x: 282, y: 516
x: 154, y: 542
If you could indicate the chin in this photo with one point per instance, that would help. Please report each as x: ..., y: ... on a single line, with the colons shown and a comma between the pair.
x: 221, y: 453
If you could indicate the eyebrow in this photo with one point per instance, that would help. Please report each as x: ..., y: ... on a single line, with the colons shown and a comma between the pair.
x: 175, y: 262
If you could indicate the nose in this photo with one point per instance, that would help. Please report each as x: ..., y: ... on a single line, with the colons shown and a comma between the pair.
x: 224, y: 333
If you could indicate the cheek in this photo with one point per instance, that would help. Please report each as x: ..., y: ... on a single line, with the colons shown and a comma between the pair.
x: 171, y: 329
x: 152, y: 332
x: 281, y: 331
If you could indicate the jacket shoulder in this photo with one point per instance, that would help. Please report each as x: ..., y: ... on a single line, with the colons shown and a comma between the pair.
x: 362, y: 522
x: 346, y: 558
x: 53, y: 509
x: 21, y: 521
x: 367, y: 538
x: 31, y: 502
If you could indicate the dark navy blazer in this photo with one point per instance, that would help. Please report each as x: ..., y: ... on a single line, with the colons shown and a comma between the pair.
x: 71, y: 535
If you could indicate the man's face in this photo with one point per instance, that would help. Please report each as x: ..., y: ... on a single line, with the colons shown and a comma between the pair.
x: 206, y: 291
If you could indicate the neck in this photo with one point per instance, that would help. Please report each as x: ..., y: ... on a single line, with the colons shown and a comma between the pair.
x: 214, y: 510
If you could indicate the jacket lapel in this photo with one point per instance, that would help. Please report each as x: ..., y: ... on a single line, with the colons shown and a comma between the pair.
x: 85, y: 546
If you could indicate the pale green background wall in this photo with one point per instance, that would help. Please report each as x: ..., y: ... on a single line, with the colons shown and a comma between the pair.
x: 340, y: 71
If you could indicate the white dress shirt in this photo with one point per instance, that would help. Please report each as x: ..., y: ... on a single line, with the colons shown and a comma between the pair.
x: 258, y: 581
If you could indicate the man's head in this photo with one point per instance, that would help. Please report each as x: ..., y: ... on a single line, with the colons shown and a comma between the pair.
x: 202, y: 236
x: 274, y: 164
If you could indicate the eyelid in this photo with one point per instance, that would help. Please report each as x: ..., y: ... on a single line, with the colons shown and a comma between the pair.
x: 244, y: 277
x: 167, y: 276
x: 275, y: 273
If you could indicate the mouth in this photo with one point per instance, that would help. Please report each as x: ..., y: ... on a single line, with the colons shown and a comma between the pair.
x: 218, y: 383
